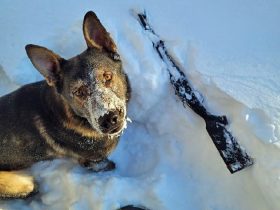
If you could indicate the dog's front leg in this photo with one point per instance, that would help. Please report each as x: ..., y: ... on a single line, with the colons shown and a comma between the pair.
x: 98, y: 166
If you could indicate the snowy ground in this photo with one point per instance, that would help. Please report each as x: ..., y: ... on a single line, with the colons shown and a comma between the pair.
x: 165, y: 160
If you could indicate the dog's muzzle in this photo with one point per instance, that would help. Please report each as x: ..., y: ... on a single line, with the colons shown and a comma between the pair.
x: 111, y: 122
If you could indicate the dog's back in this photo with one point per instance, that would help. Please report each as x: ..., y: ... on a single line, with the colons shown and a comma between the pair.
x: 18, y: 130
x: 17, y: 148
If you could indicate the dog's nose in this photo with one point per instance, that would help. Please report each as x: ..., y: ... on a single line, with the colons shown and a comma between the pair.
x: 109, y: 121
x: 114, y: 119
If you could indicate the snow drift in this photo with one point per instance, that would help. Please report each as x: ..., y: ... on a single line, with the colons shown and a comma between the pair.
x: 165, y: 159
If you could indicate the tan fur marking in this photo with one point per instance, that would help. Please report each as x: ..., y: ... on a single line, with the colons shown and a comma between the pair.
x: 79, y: 129
x: 14, y: 185
x: 58, y: 149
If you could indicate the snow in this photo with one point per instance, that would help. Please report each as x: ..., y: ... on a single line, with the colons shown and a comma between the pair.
x: 165, y: 159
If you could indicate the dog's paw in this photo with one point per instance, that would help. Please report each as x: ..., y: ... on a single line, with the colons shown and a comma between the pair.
x: 15, y: 185
x: 101, y: 166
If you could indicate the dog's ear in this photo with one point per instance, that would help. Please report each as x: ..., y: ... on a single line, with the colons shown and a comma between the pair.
x: 46, y: 62
x: 96, y: 35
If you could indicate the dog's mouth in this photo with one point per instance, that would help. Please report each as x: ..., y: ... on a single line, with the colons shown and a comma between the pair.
x: 111, y: 130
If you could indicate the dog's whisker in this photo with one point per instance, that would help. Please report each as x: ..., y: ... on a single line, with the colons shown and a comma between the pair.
x: 128, y: 119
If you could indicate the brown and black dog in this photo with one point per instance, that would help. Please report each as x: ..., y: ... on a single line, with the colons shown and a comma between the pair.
x: 78, y: 111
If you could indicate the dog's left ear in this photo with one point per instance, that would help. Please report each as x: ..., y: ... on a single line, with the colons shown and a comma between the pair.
x: 96, y: 35
x: 46, y: 62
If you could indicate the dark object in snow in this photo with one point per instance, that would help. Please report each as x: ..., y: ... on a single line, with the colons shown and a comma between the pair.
x: 130, y: 207
x: 234, y: 156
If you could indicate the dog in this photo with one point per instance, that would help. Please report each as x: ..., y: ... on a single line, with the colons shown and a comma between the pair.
x: 78, y: 111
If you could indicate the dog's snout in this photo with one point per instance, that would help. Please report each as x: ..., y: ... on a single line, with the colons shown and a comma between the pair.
x: 110, y: 121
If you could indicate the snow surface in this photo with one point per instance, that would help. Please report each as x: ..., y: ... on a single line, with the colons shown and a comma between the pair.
x: 165, y: 160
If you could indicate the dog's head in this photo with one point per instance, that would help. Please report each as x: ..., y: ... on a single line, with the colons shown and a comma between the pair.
x: 92, y: 83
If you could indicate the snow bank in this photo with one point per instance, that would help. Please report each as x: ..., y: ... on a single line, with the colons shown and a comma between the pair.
x: 165, y: 160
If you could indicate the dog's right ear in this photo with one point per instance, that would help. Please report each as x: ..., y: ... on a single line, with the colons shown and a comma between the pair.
x: 46, y: 62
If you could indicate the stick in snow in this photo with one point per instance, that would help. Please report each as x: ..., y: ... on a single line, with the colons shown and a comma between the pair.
x: 234, y: 156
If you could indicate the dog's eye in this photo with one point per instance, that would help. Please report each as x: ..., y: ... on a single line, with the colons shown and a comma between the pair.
x: 107, y: 77
x: 81, y: 92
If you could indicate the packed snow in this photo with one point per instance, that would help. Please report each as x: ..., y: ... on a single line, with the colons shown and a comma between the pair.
x: 165, y: 160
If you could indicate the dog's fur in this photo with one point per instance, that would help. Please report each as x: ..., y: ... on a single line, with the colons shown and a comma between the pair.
x: 79, y: 111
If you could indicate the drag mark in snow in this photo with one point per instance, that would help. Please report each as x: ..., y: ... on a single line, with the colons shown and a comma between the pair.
x: 234, y: 156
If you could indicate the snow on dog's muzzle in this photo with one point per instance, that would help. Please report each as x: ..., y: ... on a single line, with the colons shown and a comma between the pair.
x: 106, y: 111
